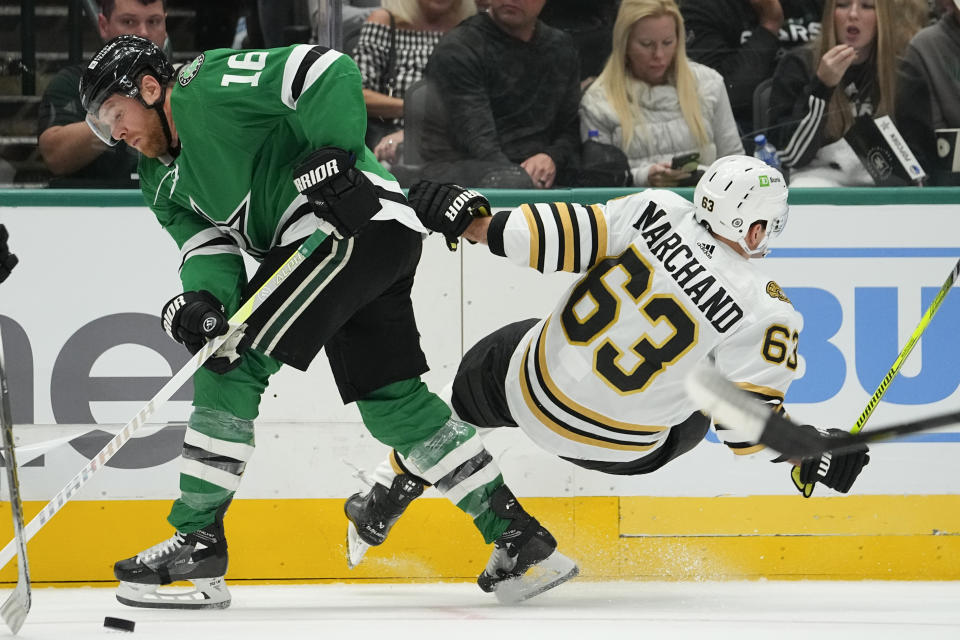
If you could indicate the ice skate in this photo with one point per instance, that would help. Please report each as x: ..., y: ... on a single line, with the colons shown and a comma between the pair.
x: 199, y: 557
x: 525, y: 561
x: 371, y: 515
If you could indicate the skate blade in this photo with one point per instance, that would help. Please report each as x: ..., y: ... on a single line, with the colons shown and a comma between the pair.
x: 543, y: 576
x: 356, y: 547
x: 208, y: 593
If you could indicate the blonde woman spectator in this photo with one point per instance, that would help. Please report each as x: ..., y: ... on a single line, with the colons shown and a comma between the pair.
x: 395, y: 43
x: 652, y: 102
x: 849, y: 71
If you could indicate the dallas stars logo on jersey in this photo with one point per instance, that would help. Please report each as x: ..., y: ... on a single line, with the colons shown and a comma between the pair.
x: 189, y: 71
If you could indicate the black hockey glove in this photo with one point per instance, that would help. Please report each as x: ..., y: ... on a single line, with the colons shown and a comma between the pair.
x: 447, y: 208
x: 337, y: 190
x: 7, y: 260
x: 837, y: 471
x: 192, y: 318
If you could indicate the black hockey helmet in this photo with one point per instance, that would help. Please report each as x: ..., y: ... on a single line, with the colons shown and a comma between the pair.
x: 115, y: 69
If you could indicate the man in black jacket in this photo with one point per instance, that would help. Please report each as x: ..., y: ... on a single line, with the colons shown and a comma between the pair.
x: 744, y: 39
x: 928, y: 95
x: 509, y: 85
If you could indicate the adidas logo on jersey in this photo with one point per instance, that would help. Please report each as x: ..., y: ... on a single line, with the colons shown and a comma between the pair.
x: 707, y: 248
x: 317, y: 175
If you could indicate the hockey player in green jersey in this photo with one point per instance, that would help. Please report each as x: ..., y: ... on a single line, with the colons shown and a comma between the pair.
x: 252, y: 151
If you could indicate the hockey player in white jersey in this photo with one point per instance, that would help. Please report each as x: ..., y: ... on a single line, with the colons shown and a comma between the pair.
x: 600, y: 382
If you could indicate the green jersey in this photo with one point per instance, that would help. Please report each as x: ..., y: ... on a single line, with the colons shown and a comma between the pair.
x: 244, y: 119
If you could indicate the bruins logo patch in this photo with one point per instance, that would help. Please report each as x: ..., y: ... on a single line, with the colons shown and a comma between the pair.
x: 189, y: 71
x: 774, y: 291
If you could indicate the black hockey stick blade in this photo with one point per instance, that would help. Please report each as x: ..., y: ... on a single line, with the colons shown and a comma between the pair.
x: 728, y: 404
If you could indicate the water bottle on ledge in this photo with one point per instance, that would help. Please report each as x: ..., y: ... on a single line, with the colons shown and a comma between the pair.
x: 765, y: 151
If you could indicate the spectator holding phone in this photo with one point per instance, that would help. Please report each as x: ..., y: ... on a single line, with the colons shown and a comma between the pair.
x: 653, y: 103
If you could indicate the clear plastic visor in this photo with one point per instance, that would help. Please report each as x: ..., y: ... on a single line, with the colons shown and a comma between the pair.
x: 103, y: 121
x: 778, y: 224
x: 774, y: 228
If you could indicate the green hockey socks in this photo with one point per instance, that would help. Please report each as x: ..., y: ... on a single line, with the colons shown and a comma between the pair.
x: 216, y: 449
x: 446, y: 453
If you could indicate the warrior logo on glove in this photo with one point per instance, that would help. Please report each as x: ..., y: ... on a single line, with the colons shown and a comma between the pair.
x: 337, y: 191
x: 458, y: 203
x: 316, y: 175
x: 447, y: 208
x: 193, y: 317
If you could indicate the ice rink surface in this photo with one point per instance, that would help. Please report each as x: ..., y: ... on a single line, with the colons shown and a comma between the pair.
x: 580, y: 609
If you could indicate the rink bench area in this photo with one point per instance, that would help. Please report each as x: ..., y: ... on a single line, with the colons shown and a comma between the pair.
x: 862, y: 265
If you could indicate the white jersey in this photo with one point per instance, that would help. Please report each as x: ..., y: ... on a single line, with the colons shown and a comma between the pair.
x: 602, y: 378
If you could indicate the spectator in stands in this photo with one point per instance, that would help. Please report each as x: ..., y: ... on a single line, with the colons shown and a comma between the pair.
x: 744, y: 39
x: 395, y: 43
x: 590, y: 24
x: 69, y: 148
x: 505, y: 95
x: 818, y: 90
x: 655, y: 104
x: 928, y: 92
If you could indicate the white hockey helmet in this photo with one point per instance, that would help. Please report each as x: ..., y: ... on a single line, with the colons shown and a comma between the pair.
x: 737, y: 191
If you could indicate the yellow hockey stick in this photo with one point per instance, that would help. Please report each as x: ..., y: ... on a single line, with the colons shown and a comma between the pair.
x: 894, y: 369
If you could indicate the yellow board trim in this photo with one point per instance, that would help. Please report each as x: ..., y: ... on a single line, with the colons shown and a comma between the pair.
x: 625, y: 538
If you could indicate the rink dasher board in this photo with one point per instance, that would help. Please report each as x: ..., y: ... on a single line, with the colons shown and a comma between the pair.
x: 59, y: 309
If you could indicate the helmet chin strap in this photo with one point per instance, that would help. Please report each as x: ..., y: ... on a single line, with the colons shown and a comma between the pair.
x: 760, y: 251
x: 157, y: 106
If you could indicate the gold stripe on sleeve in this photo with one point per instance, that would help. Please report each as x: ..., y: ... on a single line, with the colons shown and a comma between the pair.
x: 601, y: 231
x: 534, y: 234
x: 568, y: 239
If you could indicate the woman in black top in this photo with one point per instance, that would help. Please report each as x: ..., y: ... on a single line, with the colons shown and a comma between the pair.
x: 849, y: 71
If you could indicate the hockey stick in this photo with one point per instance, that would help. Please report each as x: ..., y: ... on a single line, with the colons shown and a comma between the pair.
x: 15, y: 608
x: 727, y: 403
x: 894, y: 368
x: 177, y: 381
